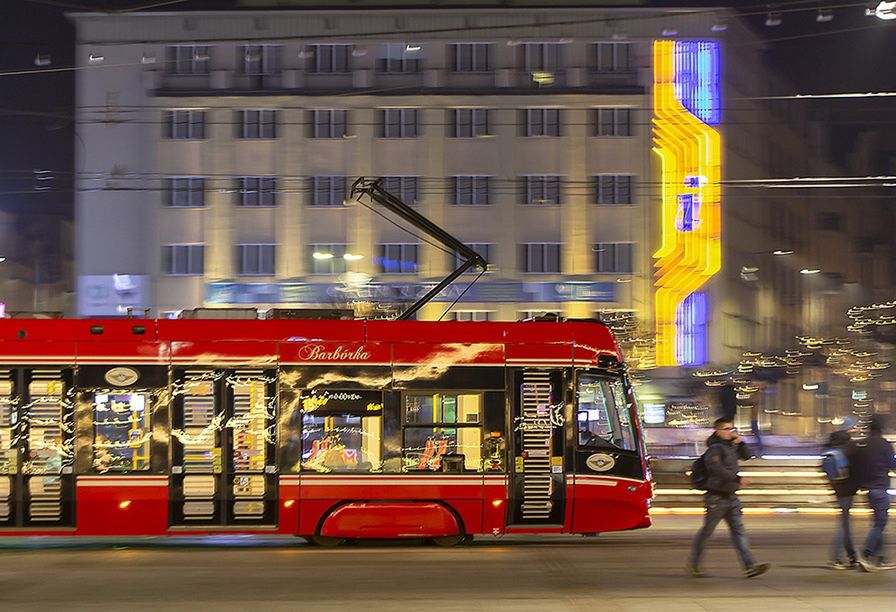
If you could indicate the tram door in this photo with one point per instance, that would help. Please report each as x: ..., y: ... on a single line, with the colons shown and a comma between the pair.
x: 223, y: 448
x: 36, y: 448
x: 537, y: 495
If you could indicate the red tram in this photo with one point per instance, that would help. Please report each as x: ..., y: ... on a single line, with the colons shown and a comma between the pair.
x: 326, y: 429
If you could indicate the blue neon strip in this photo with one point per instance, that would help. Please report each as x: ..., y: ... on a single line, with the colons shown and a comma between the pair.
x: 690, y: 345
x: 697, y: 79
x: 688, y: 217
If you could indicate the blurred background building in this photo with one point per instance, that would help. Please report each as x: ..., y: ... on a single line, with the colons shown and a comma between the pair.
x: 217, y: 150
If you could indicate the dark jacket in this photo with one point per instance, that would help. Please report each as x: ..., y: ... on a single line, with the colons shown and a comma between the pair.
x: 721, y: 459
x: 874, y: 461
x: 848, y: 486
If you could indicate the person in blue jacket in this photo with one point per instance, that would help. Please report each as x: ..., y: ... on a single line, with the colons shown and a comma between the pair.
x: 874, y: 461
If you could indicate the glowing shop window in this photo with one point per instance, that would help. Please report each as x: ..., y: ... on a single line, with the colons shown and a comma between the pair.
x: 122, y: 433
x: 341, y: 442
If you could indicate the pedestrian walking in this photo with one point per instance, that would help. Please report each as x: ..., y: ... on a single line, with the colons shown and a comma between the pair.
x: 724, y: 450
x: 838, y: 464
x: 874, y: 461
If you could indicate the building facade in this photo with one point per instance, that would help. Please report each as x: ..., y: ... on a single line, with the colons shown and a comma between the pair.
x: 220, y: 148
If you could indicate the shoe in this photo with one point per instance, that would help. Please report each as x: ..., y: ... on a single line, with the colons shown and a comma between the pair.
x: 695, y: 572
x: 867, y: 565
x: 843, y: 565
x: 756, y: 570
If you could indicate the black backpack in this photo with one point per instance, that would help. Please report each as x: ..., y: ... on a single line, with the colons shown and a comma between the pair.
x: 698, y: 473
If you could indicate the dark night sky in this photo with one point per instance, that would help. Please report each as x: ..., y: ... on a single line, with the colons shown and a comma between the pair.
x: 846, y: 54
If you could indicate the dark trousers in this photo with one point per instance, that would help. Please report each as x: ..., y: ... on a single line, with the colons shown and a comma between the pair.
x: 842, y: 534
x: 718, y: 507
x: 879, y: 500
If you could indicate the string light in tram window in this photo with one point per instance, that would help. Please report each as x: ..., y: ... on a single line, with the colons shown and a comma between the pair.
x: 124, y: 505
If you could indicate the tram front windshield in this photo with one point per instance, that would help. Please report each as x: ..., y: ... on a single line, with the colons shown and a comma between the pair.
x: 604, y: 414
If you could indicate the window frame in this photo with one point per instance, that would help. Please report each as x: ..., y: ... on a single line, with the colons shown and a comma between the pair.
x: 191, y: 248
x: 615, y: 65
x: 269, y: 61
x: 387, y: 64
x: 325, y: 190
x: 629, y: 410
x: 337, y: 63
x: 547, y: 181
x: 264, y: 190
x: 475, y: 60
x: 383, y: 248
x: 546, y: 258
x: 407, y: 123
x: 537, y: 56
x: 190, y: 190
x: 614, y: 253
x: 613, y: 122
x: 261, y: 247
x: 618, y: 190
x: 337, y: 249
x: 192, y: 120
x: 541, y: 124
x: 198, y: 62
x: 470, y: 122
x: 479, y: 190
x: 405, y: 425
x: 257, y: 123
x: 407, y: 185
x: 325, y: 123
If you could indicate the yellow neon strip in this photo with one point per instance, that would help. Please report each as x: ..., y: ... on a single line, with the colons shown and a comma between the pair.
x: 686, y: 147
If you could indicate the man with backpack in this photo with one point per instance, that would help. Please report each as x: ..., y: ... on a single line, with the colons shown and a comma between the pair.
x: 837, y: 457
x: 720, y: 463
x: 874, y: 460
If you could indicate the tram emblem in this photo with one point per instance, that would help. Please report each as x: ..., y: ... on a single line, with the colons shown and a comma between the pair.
x: 122, y: 377
x: 600, y: 462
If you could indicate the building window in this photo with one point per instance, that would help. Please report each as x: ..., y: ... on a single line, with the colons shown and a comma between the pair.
x: 327, y: 258
x: 257, y: 191
x: 402, y: 187
x: 613, y: 257
x: 183, y: 259
x: 471, y: 315
x: 543, y: 122
x: 442, y: 428
x: 329, y: 59
x: 328, y: 123
x: 470, y: 122
x: 613, y: 188
x: 484, y: 249
x: 328, y: 191
x: 186, y: 124
x: 188, y: 59
x: 542, y: 190
x: 541, y: 57
x: 261, y: 59
x: 541, y: 257
x: 257, y: 123
x: 401, y: 57
x: 186, y: 191
x: 613, y: 56
x: 471, y: 190
x: 613, y: 122
x: 398, y: 258
x: 471, y: 57
x: 398, y: 122
x: 255, y: 259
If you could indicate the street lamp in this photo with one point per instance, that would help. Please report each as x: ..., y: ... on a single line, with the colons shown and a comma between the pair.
x: 810, y: 271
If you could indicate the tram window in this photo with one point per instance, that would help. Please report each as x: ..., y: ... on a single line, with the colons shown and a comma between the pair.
x: 603, y: 414
x: 341, y: 442
x: 122, y: 433
x: 440, y: 428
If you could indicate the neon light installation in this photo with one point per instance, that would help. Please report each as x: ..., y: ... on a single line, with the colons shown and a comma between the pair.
x: 686, y: 104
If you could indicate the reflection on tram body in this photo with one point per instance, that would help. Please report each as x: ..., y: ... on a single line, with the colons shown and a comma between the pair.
x: 121, y: 438
x: 341, y: 442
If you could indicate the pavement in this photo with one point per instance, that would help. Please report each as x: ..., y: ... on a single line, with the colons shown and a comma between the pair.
x: 637, y: 571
